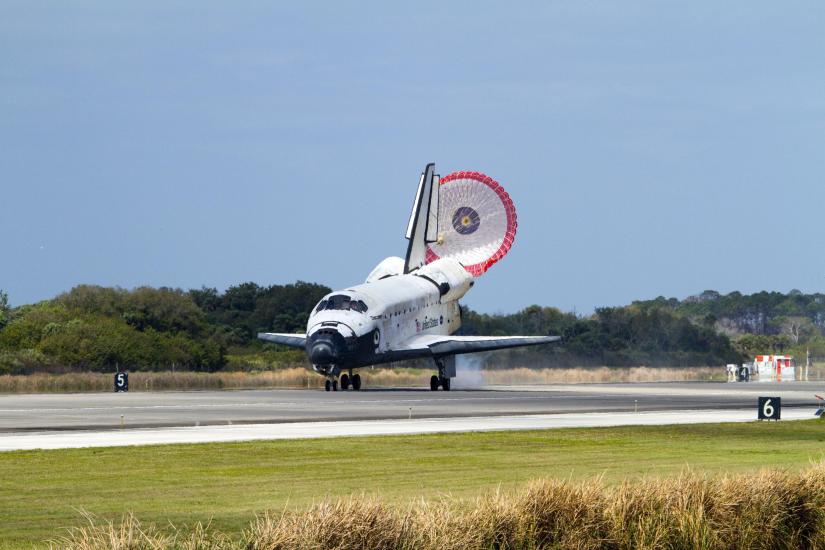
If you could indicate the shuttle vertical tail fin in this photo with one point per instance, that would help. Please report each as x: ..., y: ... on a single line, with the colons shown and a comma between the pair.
x: 423, y: 225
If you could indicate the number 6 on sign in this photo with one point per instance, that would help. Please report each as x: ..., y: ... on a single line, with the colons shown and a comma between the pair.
x: 770, y: 408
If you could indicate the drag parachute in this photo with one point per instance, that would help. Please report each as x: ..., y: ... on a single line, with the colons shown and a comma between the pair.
x: 476, y: 222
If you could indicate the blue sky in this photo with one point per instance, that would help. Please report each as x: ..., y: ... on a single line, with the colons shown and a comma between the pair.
x: 650, y: 148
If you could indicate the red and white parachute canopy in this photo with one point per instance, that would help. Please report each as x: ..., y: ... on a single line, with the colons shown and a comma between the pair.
x: 476, y: 221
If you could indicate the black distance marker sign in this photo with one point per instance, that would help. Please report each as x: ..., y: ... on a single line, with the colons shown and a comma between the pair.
x: 121, y: 381
x: 770, y: 408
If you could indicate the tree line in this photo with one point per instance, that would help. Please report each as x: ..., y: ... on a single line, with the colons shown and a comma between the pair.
x: 100, y: 328
x: 612, y: 336
x: 760, y: 323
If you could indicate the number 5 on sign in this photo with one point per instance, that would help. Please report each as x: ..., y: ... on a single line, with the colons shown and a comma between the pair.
x: 770, y: 408
x: 121, y: 381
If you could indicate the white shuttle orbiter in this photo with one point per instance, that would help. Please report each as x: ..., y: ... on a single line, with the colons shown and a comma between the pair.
x: 408, y: 308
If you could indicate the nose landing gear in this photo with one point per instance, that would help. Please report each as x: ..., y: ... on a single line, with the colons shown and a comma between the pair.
x: 331, y: 385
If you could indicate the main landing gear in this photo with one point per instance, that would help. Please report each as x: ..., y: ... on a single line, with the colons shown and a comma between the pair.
x: 436, y: 381
x: 442, y: 379
x: 347, y: 381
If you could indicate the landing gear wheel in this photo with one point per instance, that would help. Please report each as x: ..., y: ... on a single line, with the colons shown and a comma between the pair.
x: 442, y: 379
x: 344, y: 381
x: 356, y: 382
x: 327, y: 385
x: 335, y: 385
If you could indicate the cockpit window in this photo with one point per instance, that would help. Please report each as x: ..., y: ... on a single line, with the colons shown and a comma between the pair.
x: 342, y: 303
x: 339, y: 301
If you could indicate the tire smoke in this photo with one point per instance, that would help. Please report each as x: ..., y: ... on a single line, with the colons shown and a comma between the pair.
x: 468, y: 372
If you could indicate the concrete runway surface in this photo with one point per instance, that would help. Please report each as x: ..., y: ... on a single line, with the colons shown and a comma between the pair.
x: 70, y: 420
x: 306, y: 430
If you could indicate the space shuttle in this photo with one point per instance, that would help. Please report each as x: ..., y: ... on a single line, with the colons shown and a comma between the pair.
x: 407, y: 308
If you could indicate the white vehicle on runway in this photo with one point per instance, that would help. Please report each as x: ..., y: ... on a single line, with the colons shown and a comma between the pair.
x: 408, y: 308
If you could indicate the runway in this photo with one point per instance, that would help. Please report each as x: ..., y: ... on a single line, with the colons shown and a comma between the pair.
x: 165, y: 417
x: 308, y: 430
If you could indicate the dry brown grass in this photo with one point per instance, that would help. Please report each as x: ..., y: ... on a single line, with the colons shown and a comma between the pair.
x: 292, y: 377
x: 768, y: 510
x: 129, y: 534
x: 593, y: 375
x: 300, y: 377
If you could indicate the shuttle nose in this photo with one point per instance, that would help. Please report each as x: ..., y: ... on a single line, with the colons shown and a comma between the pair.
x: 322, y: 353
x: 328, y: 346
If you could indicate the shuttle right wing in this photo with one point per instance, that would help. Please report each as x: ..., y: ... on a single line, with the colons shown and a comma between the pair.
x: 438, y: 346
x: 291, y: 340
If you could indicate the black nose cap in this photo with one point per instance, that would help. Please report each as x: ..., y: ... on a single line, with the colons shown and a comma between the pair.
x: 322, y: 353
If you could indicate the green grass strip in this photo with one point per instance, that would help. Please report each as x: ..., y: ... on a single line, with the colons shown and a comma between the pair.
x: 41, y: 492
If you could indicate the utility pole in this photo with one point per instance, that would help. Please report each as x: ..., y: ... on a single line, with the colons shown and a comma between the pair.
x: 807, y: 362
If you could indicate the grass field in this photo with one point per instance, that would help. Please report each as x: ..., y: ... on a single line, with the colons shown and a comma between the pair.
x: 43, y: 492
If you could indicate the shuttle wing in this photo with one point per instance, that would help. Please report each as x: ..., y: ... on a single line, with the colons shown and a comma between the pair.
x: 456, y: 345
x: 291, y: 340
